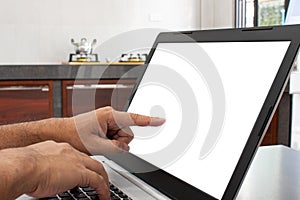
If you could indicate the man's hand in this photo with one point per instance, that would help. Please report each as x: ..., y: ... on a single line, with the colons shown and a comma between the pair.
x: 49, y: 168
x: 106, y: 130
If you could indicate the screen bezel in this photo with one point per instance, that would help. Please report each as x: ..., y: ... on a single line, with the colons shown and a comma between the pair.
x: 169, y: 184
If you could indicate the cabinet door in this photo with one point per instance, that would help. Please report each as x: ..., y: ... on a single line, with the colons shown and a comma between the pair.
x: 271, y: 136
x: 83, y: 96
x: 25, y: 101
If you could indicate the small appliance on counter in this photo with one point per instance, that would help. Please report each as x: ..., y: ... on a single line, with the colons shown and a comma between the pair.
x: 83, y: 51
x: 133, y: 57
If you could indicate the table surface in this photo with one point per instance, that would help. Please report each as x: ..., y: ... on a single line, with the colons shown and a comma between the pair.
x: 274, y: 174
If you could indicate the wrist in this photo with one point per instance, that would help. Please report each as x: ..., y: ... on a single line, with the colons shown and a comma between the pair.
x: 83, y: 126
x: 60, y: 130
x: 17, y: 168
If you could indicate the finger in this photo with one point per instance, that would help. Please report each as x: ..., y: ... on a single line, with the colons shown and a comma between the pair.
x: 125, y: 139
x: 97, y: 182
x: 104, y: 146
x: 126, y: 131
x: 130, y: 119
x: 124, y: 135
x: 95, y: 166
x: 92, y: 164
x: 100, y: 146
x: 143, y: 120
x: 120, y: 146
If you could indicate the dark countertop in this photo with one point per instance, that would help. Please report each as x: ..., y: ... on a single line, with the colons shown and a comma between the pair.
x: 58, y: 72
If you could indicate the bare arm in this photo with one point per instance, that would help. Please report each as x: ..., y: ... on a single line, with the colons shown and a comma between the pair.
x: 94, y: 132
x: 27, y: 133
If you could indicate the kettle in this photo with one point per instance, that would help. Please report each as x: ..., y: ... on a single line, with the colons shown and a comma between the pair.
x: 83, y: 47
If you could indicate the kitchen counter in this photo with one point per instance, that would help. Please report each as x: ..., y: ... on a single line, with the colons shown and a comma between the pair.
x: 65, y: 71
x: 58, y: 74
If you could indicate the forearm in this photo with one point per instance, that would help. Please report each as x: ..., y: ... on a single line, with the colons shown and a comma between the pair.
x: 23, y: 134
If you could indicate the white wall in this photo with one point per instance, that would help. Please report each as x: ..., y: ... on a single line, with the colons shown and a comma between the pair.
x: 217, y: 14
x: 39, y: 31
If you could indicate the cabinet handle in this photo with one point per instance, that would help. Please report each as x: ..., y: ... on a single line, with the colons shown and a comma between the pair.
x: 100, y: 86
x: 25, y: 88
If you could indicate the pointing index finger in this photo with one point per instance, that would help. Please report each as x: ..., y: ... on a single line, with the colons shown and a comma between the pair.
x: 125, y: 119
x: 142, y: 120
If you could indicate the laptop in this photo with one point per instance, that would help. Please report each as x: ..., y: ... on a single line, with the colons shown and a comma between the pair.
x: 218, y: 90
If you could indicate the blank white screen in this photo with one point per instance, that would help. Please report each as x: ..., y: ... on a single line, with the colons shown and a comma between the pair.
x: 247, y: 70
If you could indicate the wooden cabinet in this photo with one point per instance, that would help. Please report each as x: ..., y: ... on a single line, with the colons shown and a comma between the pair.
x: 271, y: 136
x: 86, y: 95
x: 25, y: 101
x: 33, y: 100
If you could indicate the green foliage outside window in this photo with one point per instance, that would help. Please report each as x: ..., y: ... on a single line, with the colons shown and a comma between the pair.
x: 270, y: 13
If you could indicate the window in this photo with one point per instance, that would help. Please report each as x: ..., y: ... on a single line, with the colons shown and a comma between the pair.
x: 251, y: 13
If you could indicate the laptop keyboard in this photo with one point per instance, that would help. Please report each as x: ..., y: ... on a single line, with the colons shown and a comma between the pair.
x: 88, y: 193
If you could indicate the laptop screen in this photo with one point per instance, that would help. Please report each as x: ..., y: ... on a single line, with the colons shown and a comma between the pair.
x: 211, y: 94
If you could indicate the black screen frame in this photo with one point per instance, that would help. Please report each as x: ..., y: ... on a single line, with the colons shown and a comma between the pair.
x: 178, y: 189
